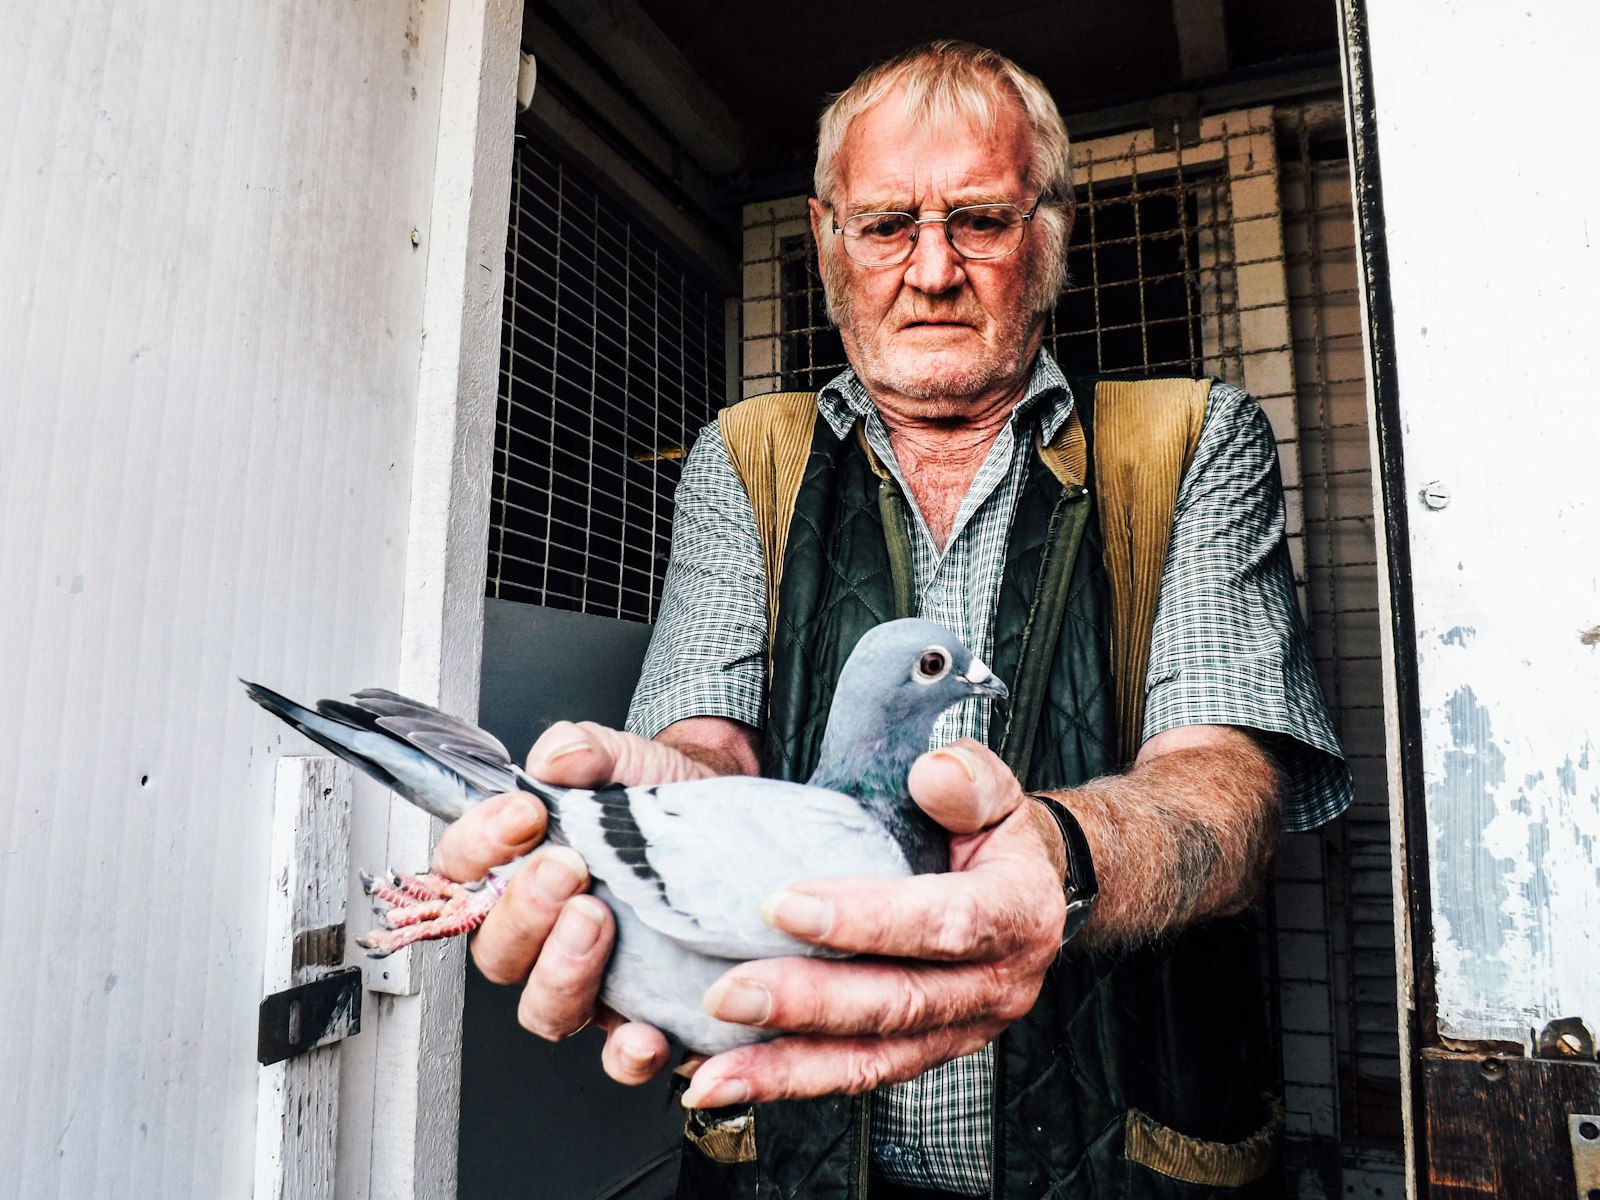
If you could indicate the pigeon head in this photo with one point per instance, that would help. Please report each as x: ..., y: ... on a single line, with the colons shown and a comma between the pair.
x: 896, y: 682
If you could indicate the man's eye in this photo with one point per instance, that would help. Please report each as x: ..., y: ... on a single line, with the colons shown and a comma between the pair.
x: 982, y: 222
x: 883, y: 227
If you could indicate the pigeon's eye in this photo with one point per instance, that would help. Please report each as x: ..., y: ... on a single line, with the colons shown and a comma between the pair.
x: 933, y: 664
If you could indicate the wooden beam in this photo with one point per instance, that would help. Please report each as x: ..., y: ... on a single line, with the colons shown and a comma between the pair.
x: 297, y: 1101
x: 633, y: 46
x: 1497, y: 1128
x: 417, y: 1054
x: 1202, y: 38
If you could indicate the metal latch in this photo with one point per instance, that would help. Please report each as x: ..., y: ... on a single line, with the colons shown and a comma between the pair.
x: 1584, y: 1128
x: 314, y: 1014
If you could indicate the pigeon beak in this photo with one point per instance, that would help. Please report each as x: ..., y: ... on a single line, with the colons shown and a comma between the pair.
x: 980, y: 679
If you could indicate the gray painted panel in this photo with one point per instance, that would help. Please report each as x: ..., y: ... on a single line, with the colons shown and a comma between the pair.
x: 536, y: 1119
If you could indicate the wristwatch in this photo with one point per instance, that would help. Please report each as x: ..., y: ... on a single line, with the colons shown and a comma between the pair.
x: 1082, y: 890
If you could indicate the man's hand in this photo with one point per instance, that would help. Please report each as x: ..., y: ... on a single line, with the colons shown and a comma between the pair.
x: 958, y: 956
x: 545, y: 932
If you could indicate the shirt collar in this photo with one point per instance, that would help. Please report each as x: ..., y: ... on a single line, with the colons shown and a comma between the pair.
x: 843, y: 400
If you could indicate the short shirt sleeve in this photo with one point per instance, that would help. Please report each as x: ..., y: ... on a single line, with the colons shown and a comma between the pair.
x: 1229, y: 645
x: 708, y: 654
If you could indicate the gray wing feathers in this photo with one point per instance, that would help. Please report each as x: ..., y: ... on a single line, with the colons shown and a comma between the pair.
x: 479, y: 757
x: 710, y: 862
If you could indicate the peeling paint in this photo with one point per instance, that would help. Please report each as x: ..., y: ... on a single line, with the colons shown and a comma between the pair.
x: 1513, y: 849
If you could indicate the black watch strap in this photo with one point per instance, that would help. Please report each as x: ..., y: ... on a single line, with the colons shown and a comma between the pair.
x: 1082, y: 890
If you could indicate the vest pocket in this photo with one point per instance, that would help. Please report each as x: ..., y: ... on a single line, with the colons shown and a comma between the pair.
x: 1228, y: 1165
x: 728, y: 1137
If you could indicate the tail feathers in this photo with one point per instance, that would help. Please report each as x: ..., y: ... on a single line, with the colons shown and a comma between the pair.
x: 550, y: 795
x: 327, y: 732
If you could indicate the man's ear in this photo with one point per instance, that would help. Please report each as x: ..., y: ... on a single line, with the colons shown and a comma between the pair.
x: 821, y: 224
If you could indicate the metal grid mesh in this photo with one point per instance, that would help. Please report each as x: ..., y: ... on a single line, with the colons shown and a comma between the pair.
x: 1132, y: 304
x: 611, y: 360
x: 1341, y: 566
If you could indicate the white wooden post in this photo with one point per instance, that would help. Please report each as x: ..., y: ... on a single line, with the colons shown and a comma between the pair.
x: 297, y: 1107
x: 403, y: 1142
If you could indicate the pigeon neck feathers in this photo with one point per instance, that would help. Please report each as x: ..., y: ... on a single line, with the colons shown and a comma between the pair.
x: 898, y: 680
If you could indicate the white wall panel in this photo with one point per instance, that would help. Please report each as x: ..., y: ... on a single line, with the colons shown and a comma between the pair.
x: 1495, y: 273
x: 210, y: 321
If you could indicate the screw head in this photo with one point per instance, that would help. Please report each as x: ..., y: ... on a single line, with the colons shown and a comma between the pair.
x: 1436, y: 495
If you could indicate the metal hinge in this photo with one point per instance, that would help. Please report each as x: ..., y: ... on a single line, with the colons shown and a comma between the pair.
x: 314, y: 1014
x: 1564, y: 1040
x: 1584, y: 1129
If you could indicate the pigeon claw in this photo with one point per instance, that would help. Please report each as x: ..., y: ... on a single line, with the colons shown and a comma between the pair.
x: 423, y: 907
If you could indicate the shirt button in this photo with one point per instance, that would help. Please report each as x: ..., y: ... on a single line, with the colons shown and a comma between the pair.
x: 935, y: 595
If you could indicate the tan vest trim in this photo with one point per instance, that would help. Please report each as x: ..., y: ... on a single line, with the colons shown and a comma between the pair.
x: 1146, y: 432
x: 1191, y: 1160
x: 769, y: 440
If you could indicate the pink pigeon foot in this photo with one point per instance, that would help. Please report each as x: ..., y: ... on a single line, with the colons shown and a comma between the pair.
x: 424, y: 908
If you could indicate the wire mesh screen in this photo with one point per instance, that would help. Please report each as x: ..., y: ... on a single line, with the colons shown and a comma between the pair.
x: 1342, y: 582
x: 1132, y: 303
x: 611, y: 360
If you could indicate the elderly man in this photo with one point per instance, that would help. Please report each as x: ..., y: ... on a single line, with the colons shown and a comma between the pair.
x: 999, y: 1061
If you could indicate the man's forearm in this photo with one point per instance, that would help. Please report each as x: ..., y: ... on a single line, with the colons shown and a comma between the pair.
x: 722, y: 746
x: 1183, y: 836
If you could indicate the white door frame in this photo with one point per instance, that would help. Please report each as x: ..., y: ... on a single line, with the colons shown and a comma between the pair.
x: 398, y: 1127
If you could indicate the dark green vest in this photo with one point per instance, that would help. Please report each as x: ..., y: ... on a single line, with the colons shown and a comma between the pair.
x: 1174, y: 1032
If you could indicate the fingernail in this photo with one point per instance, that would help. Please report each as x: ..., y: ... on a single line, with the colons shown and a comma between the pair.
x: 716, y: 1095
x: 639, y: 1059
x: 960, y: 757
x: 577, y: 929
x: 518, y: 820
x: 740, y: 1000
x: 792, y: 912
x: 556, y: 876
x: 688, y: 1067
x: 566, y: 748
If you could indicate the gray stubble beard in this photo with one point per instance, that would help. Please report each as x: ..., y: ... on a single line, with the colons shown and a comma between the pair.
x: 1039, y: 296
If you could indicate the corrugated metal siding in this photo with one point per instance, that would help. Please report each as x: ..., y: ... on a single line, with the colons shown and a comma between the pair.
x: 210, y: 317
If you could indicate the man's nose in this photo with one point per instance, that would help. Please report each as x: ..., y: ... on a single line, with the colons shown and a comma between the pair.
x: 934, y: 265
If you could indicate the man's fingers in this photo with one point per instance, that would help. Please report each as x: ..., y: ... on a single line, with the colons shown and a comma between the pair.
x: 634, y: 1052
x: 564, y: 984
x: 573, y: 755
x: 500, y: 830
x: 964, y: 786
x: 981, y: 914
x: 517, y: 927
x: 869, y: 997
x: 794, y: 1068
x: 585, y: 754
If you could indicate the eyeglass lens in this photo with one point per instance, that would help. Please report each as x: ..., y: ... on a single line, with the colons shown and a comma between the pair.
x: 979, y: 231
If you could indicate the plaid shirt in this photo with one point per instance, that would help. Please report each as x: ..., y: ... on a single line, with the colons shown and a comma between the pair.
x: 1228, y: 648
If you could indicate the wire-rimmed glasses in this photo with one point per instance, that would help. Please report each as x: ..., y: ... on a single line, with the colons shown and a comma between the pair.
x: 974, y: 231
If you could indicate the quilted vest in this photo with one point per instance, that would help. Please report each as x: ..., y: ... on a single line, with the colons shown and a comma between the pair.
x: 1140, y: 1074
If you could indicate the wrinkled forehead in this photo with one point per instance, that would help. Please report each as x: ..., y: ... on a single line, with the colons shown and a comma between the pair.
x: 899, y: 151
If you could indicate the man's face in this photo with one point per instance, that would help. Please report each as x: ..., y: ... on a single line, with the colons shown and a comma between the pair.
x: 936, y: 327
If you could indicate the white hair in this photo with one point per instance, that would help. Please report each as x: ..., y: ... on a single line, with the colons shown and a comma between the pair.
x: 946, y: 81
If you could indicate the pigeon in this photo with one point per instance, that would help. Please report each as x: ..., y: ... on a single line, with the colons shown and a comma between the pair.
x: 684, y: 866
